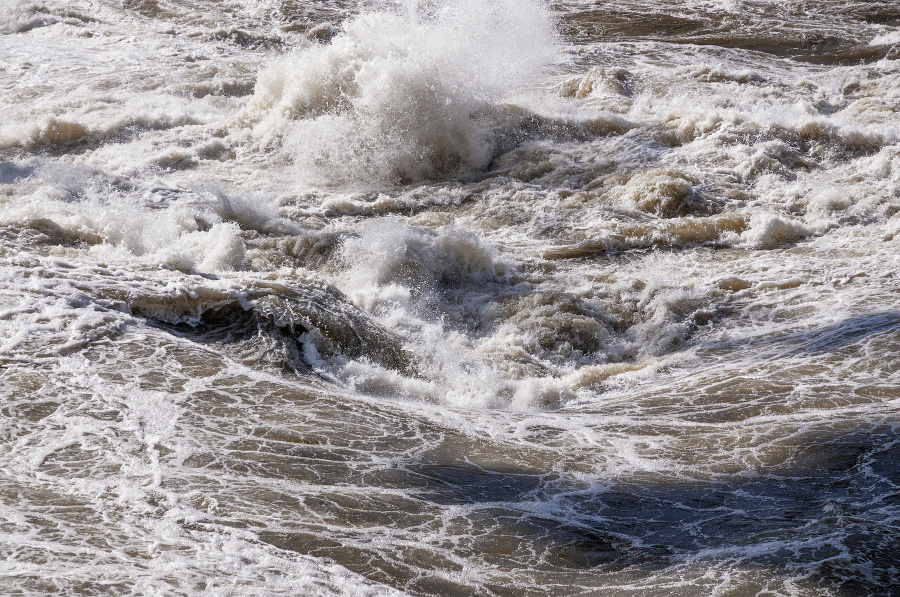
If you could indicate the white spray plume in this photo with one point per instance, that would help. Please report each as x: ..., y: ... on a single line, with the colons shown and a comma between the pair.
x: 395, y: 96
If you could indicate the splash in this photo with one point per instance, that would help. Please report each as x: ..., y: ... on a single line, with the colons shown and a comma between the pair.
x: 396, y: 96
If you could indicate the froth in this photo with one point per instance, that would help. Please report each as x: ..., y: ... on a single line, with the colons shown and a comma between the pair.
x: 17, y: 16
x: 419, y: 282
x: 390, y: 260
x: 69, y: 206
x: 393, y: 97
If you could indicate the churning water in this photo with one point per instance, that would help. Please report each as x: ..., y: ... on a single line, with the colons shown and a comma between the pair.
x: 450, y: 297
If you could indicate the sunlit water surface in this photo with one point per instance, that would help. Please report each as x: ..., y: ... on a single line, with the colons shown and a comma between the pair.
x: 449, y: 297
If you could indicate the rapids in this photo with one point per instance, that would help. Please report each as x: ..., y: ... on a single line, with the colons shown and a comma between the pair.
x: 449, y: 297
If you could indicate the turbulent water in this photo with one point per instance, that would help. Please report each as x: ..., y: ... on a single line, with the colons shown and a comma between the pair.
x: 450, y: 297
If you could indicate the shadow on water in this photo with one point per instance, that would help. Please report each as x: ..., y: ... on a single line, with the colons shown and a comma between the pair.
x: 833, y: 528
x: 829, y: 338
x: 837, y: 523
x: 10, y: 173
x: 830, y: 521
x: 849, y: 331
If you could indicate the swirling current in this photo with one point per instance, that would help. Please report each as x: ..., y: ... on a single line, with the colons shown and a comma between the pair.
x: 450, y: 297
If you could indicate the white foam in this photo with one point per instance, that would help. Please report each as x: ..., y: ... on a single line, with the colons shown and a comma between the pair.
x: 18, y: 15
x: 398, y: 273
x: 729, y: 326
x: 769, y: 230
x: 203, y: 235
x: 886, y: 39
x: 387, y: 254
x: 393, y: 97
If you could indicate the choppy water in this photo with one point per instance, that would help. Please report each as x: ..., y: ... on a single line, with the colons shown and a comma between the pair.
x: 449, y: 297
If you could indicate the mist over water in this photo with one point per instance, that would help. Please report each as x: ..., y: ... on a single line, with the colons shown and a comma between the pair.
x: 449, y: 298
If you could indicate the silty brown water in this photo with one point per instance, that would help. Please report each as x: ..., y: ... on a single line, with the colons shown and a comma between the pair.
x: 449, y: 298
